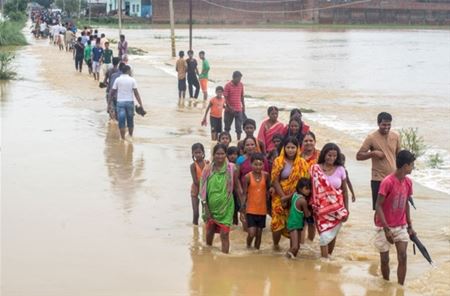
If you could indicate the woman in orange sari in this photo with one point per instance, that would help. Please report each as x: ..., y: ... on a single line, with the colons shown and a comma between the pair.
x: 309, y: 151
x: 287, y: 170
x: 311, y: 155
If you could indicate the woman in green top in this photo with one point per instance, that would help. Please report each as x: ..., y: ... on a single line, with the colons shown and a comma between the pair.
x: 217, y: 183
x: 298, y: 212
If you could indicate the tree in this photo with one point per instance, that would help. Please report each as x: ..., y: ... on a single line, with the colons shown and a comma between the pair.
x: 44, y: 3
x: 15, y: 6
x: 68, y: 6
x: 15, y: 10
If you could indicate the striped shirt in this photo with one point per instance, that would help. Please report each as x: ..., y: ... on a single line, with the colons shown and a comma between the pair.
x: 233, y: 94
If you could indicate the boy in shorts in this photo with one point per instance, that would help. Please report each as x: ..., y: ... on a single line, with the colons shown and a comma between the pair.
x: 181, y: 68
x: 255, y: 187
x: 107, y: 58
x: 203, y: 76
x: 216, y: 105
x: 392, y: 216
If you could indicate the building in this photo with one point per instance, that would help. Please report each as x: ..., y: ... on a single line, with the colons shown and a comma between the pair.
x: 306, y: 11
x: 135, y: 8
x: 97, y: 7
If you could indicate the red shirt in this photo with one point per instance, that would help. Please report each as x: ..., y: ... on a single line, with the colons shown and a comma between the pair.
x: 396, y: 193
x: 233, y: 95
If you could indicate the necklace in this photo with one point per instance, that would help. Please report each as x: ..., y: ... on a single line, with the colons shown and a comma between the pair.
x: 328, y: 170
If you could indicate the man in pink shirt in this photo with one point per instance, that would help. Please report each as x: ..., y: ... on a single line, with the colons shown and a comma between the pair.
x: 392, y: 216
x: 235, y: 106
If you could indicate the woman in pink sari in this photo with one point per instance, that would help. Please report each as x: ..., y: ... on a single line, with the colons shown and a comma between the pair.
x: 270, y: 127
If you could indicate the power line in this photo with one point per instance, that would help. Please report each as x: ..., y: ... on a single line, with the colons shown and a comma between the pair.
x: 285, y: 11
x: 264, y: 1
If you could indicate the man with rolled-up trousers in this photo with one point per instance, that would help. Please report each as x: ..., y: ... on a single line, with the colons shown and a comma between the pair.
x: 235, y: 106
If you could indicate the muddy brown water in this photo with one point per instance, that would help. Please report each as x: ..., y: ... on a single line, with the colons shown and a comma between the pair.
x: 84, y: 214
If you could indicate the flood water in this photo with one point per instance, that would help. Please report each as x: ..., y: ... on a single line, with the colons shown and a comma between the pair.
x: 84, y: 214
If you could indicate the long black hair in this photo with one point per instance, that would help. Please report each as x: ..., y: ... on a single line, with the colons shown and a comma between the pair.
x: 299, y: 136
x: 330, y: 147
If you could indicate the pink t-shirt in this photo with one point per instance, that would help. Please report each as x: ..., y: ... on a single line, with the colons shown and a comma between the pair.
x: 396, y: 193
x: 337, y: 177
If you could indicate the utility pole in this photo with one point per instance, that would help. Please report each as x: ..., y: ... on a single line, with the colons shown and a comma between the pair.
x: 190, y: 24
x: 79, y: 10
x: 172, y: 28
x: 90, y: 8
x: 120, y: 17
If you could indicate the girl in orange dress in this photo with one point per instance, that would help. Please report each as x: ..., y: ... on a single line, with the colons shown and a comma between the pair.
x: 198, y: 157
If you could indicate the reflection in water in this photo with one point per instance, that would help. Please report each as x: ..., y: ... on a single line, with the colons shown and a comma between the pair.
x: 3, y: 90
x: 124, y: 171
x: 258, y: 272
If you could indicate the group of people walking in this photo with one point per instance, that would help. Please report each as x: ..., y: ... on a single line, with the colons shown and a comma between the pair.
x: 279, y: 173
x: 275, y: 171
x: 93, y: 49
x: 282, y: 175
x: 196, y: 79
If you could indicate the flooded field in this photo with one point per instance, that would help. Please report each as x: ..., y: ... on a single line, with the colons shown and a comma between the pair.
x: 84, y: 214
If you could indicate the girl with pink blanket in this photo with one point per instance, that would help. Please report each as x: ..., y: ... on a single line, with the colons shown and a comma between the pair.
x: 329, y: 196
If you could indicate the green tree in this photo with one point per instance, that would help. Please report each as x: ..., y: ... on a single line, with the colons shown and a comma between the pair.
x: 44, y: 3
x: 15, y: 6
x: 15, y: 9
x: 69, y: 6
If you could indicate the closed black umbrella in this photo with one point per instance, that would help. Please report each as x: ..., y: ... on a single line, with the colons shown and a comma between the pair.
x: 421, y: 247
x: 411, y: 201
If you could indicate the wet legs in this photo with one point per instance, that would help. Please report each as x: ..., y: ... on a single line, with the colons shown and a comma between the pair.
x: 195, y: 210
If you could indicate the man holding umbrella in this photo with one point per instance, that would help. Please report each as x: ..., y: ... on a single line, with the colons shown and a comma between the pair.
x: 392, y: 216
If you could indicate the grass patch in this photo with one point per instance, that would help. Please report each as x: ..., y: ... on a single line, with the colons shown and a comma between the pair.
x: 182, y: 37
x: 6, y: 71
x: 11, y: 33
x: 136, y: 51
x: 410, y: 140
x: 304, y: 110
x: 307, y: 110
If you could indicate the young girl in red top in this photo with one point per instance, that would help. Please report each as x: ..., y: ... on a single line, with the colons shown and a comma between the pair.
x: 198, y: 157
x: 255, y: 188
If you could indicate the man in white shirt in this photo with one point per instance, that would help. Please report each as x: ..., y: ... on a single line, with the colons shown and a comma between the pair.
x: 42, y: 28
x: 125, y: 87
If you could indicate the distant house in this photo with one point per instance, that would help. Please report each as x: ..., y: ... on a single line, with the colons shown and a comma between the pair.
x: 147, y: 9
x: 133, y: 7
x: 137, y: 8
x: 97, y: 7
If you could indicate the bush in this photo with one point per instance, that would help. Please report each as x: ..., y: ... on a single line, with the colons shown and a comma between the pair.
x: 410, y: 140
x: 17, y: 16
x: 6, y: 72
x: 11, y: 34
x: 435, y: 161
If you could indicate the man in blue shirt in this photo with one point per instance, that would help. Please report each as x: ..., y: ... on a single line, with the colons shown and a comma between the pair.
x: 97, y: 53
